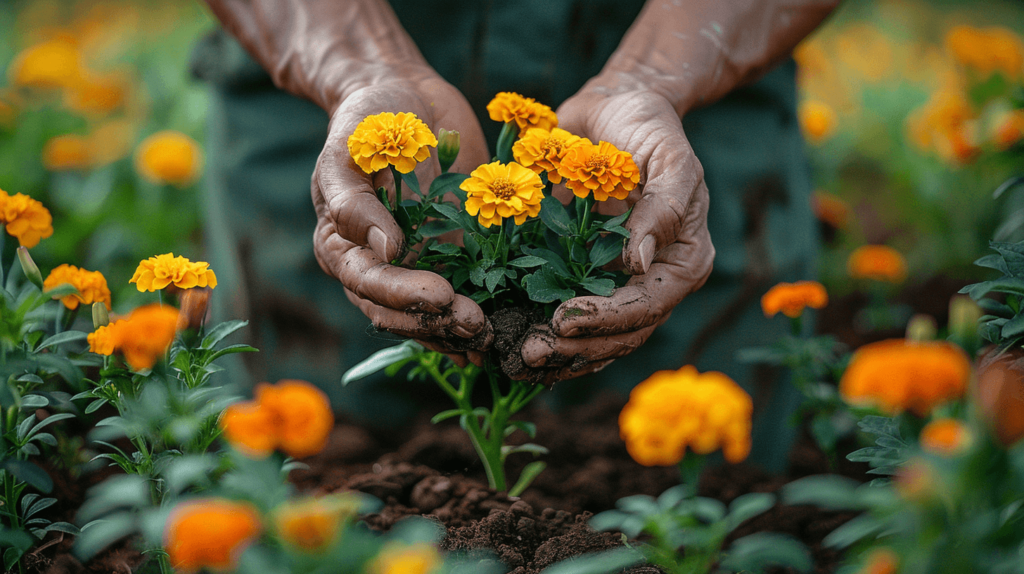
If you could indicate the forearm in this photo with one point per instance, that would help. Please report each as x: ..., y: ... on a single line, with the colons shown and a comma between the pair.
x: 696, y: 51
x: 323, y: 50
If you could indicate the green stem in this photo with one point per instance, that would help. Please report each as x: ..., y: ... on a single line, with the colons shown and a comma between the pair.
x: 398, y: 186
x: 507, y: 137
x: 796, y: 325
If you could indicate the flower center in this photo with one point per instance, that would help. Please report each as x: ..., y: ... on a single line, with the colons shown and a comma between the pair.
x: 597, y: 162
x: 503, y: 188
x: 552, y: 144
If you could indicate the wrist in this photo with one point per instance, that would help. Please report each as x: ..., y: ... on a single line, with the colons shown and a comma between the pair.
x: 614, y: 81
x: 335, y: 87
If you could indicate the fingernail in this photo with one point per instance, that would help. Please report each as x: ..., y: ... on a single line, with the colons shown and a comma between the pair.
x: 463, y: 332
x: 647, y: 252
x: 378, y: 241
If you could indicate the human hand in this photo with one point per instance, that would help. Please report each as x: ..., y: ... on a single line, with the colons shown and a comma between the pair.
x: 356, y: 236
x: 669, y: 251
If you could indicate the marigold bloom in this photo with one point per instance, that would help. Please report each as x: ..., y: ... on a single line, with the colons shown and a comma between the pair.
x: 315, y: 523
x: 105, y: 340
x: 830, y: 209
x: 96, y: 94
x: 250, y: 428
x: 880, y: 561
x: 898, y: 375
x: 56, y: 63
x: 675, y: 409
x: 877, y: 262
x: 399, y: 558
x: 817, y: 120
x: 987, y: 50
x: 946, y: 123
x: 1009, y: 130
x: 193, y: 305
x: 91, y: 285
x: 946, y: 437
x: 402, y: 140
x: 497, y: 190
x: 542, y: 150
x: 601, y: 169
x: 25, y: 218
x: 916, y: 481
x: 1000, y: 394
x: 293, y: 416
x: 792, y: 298
x: 169, y: 157
x: 509, y: 107
x: 66, y: 153
x: 210, y: 533
x: 160, y: 271
x: 146, y: 334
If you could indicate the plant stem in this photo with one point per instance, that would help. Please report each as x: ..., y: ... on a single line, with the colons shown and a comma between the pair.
x: 398, y: 186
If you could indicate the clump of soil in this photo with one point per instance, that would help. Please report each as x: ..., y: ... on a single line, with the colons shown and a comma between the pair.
x: 511, y: 326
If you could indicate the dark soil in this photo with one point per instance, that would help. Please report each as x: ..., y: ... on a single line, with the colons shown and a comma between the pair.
x: 511, y: 325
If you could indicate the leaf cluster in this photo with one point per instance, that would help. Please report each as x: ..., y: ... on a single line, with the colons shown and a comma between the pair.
x: 1003, y: 323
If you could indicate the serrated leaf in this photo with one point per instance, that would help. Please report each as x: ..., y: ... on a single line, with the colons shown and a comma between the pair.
x: 436, y: 227
x: 543, y: 288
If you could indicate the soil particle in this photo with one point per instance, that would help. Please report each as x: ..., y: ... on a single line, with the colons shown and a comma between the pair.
x: 511, y: 326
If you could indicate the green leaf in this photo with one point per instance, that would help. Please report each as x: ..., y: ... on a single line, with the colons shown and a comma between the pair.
x: 827, y: 491
x: 600, y: 287
x: 557, y: 264
x: 555, y: 216
x: 530, y: 472
x: 40, y: 505
x: 218, y: 333
x: 639, y: 504
x: 381, y: 359
x: 448, y: 210
x: 543, y: 287
x: 472, y: 243
x: 608, y: 520
x: 445, y: 415
x: 1013, y: 327
x: 95, y: 406
x: 230, y: 350
x: 34, y: 402
x: 1009, y: 285
x: 604, y: 562
x: 410, y: 181
x: 853, y: 531
x: 759, y: 551
x: 527, y: 427
x: 445, y: 248
x: 48, y: 421
x: 527, y: 261
x: 436, y: 227
x: 994, y: 261
x: 606, y: 249
x: 494, y: 278
x: 103, y: 533
x: 447, y: 183
x: 62, y: 338
x: 747, y: 506
x: 65, y: 527
x: 534, y: 449
x: 709, y: 509
x: 30, y: 473
x: 670, y: 498
x: 18, y: 539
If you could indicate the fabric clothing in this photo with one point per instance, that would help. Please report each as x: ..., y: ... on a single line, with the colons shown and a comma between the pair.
x: 263, y: 145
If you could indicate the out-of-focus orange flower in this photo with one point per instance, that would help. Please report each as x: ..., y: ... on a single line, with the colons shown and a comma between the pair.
x: 56, y: 63
x: 315, y: 523
x: 169, y: 157
x: 880, y: 561
x: 542, y: 150
x: 877, y: 262
x: 897, y: 375
x: 158, y: 272
x: 67, y: 152
x: 811, y: 59
x: 1000, y: 394
x: 792, y: 298
x: 91, y: 286
x: 293, y: 416
x: 830, y: 209
x: 96, y: 93
x: 916, y: 481
x: 946, y: 437
x: 510, y: 107
x: 987, y: 50
x: 146, y: 334
x: 671, y: 410
x: 210, y: 533
x: 25, y: 218
x: 600, y: 169
x: 866, y: 50
x: 946, y: 124
x: 817, y: 120
x: 105, y: 339
x: 1009, y: 130
x: 399, y: 558
x: 193, y: 305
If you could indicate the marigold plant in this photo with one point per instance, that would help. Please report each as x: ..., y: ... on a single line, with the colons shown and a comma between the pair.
x: 25, y: 218
x: 792, y: 298
x: 401, y: 140
x: 673, y: 410
x: 601, y: 170
x: 293, y: 416
x: 987, y: 50
x: 143, y: 337
x: 169, y: 157
x: 897, y: 375
x: 313, y: 524
x: 67, y: 153
x: 160, y: 271
x: 210, y: 533
x: 542, y: 150
x: 55, y: 63
x: 399, y: 558
x: 497, y: 191
x: 877, y: 262
x: 510, y: 107
x: 91, y: 286
x: 1009, y: 130
x: 945, y: 124
x: 817, y: 120
x: 946, y: 437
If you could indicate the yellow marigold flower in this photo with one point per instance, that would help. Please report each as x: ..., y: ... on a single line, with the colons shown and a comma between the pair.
x: 946, y: 123
x: 830, y: 209
x: 897, y: 375
x: 25, y: 218
x: 66, y: 153
x: 601, y: 169
x: 106, y: 339
x: 91, y: 285
x: 169, y: 157
x: 542, y: 150
x: 210, y: 533
x: 146, y: 334
x: 402, y: 140
x: 510, y: 107
x: 675, y: 409
x: 158, y: 272
x: 817, y: 120
x: 987, y: 50
x: 314, y: 524
x: 56, y: 63
x: 947, y: 437
x: 497, y: 190
x: 877, y: 262
x: 1009, y: 130
x: 811, y: 59
x: 792, y: 298
x: 96, y: 93
x: 880, y: 561
x: 293, y: 416
x: 399, y: 558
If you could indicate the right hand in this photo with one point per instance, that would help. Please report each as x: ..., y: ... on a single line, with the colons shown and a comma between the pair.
x: 356, y: 237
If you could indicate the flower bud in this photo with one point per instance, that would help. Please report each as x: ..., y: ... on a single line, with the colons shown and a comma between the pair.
x: 100, y: 316
x: 447, y: 148
x: 29, y: 267
x: 921, y: 328
x: 194, y: 303
x: 963, y: 319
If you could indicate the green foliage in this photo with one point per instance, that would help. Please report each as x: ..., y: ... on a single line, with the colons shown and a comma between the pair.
x: 890, y: 450
x: 1003, y: 324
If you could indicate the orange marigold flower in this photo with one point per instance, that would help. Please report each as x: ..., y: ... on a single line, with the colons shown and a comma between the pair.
x: 792, y: 298
x: 25, y: 218
x: 402, y: 140
x: 106, y: 339
x: 193, y: 304
x: 96, y: 94
x: 293, y: 416
x: 542, y: 150
x: 91, y: 285
x: 897, y: 375
x: 817, y: 119
x: 160, y: 271
x: 987, y: 50
x: 1009, y: 130
x: 880, y: 561
x: 56, y: 63
x: 946, y: 437
x: 601, y: 169
x: 916, y: 480
x: 946, y: 124
x: 877, y: 262
x: 496, y: 191
x: 210, y: 533
x: 169, y: 157
x: 250, y: 428
x: 675, y: 409
x: 830, y: 209
x: 509, y: 107
x: 66, y: 153
x: 400, y: 558
x: 146, y: 334
x: 314, y: 524
x: 1000, y: 394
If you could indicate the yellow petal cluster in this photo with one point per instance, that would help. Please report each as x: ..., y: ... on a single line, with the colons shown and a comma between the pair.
x: 96, y: 94
x: 293, y: 416
x: 542, y: 150
x: 169, y: 157
x: 672, y: 410
x: 91, y: 286
x: 158, y: 272
x: 401, y: 140
x: 987, y: 50
x: 497, y: 190
x: 599, y: 169
x: 510, y: 107
x: 25, y: 218
x: 143, y: 337
x: 399, y: 558
x: 792, y: 298
x: 314, y: 524
x: 66, y: 153
x: 877, y: 262
x: 946, y: 124
x: 55, y: 63
x: 210, y: 533
x: 898, y: 375
x: 817, y: 120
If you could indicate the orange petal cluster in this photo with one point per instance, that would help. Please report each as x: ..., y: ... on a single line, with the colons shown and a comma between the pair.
x: 293, y: 416
x: 877, y: 262
x: 314, y: 524
x: 67, y: 153
x: 830, y: 209
x: 1009, y: 130
x: 599, y: 169
x: 401, y: 140
x: 817, y: 120
x: 1000, y: 394
x: 880, y: 561
x: 510, y: 107
x: 169, y: 157
x: 143, y: 336
x: 399, y: 558
x: 946, y: 124
x: 91, y: 286
x: 946, y: 437
x: 55, y: 63
x: 671, y: 410
x: 898, y: 375
x: 210, y: 533
x: 542, y: 150
x: 160, y: 271
x: 987, y: 50
x: 497, y: 191
x: 792, y: 298
x: 25, y: 218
